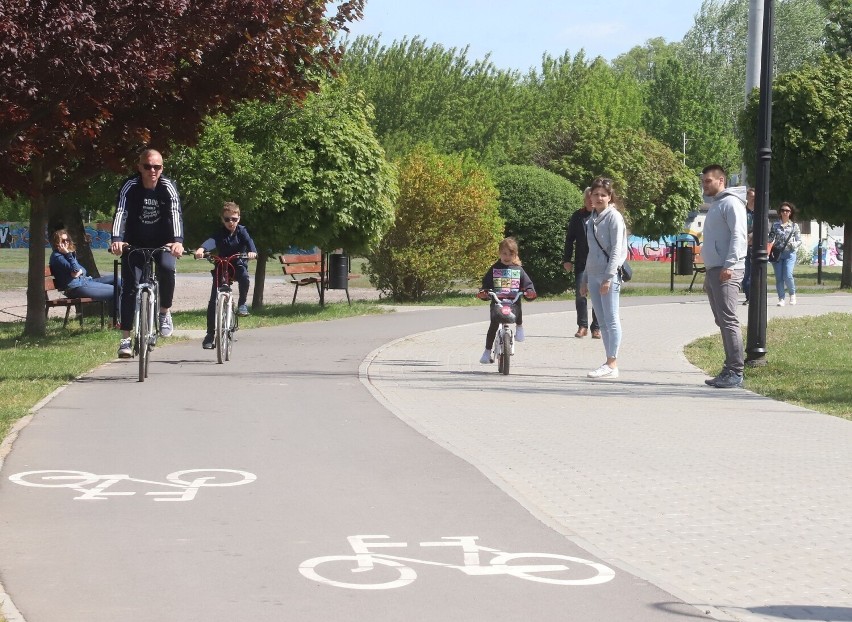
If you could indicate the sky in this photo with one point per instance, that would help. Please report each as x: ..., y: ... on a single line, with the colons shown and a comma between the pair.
x: 518, y: 32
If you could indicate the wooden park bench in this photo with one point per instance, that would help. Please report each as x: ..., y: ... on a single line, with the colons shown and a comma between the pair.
x: 313, y: 269
x: 305, y: 270
x: 62, y: 301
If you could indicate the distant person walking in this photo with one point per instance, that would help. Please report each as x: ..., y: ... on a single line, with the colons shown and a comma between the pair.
x: 724, y: 251
x: 607, y: 236
x: 786, y: 239
x: 574, y: 258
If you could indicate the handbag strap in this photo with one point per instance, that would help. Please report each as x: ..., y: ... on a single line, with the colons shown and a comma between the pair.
x: 792, y: 231
x: 595, y: 235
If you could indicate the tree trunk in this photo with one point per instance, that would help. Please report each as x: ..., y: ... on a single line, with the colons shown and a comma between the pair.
x: 62, y: 215
x: 35, y: 323
x: 259, y: 281
x: 846, y: 273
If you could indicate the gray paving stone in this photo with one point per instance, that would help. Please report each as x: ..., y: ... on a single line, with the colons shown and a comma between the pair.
x: 729, y: 500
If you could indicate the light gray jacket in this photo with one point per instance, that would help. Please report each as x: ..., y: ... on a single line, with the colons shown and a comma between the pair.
x: 725, y: 231
x: 609, y: 229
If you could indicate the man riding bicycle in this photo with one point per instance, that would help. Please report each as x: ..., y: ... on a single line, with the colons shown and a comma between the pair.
x: 147, y: 215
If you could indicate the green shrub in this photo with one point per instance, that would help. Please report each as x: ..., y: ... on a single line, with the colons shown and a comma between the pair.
x: 536, y: 205
x: 446, y: 230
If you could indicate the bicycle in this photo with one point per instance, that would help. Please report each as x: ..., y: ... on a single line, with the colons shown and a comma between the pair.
x: 563, y: 572
x: 146, y: 313
x: 227, y: 320
x: 92, y: 486
x: 503, y: 310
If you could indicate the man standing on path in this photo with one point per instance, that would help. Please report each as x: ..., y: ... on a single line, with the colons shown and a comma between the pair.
x: 724, y: 251
x: 575, y: 234
x: 148, y: 215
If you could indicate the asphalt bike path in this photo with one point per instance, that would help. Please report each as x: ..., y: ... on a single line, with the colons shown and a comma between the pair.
x: 243, y: 491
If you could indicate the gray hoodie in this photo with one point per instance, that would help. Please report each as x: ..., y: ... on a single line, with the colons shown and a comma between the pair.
x: 609, y: 229
x: 725, y: 231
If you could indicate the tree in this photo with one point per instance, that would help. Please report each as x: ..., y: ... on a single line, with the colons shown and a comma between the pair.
x: 431, y: 94
x: 811, y: 144
x: 446, y: 230
x: 717, y: 43
x: 642, y: 60
x: 838, y: 30
x: 309, y: 174
x: 81, y: 88
x: 536, y: 205
x: 684, y: 113
x: 657, y: 190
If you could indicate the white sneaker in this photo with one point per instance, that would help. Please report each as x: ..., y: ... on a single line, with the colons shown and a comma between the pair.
x: 166, y: 326
x: 485, y: 359
x: 519, y: 333
x: 792, y: 299
x: 781, y: 302
x: 604, y: 371
x: 125, y: 349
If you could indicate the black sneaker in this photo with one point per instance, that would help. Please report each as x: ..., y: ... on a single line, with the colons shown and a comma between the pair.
x: 209, y: 342
x: 731, y: 380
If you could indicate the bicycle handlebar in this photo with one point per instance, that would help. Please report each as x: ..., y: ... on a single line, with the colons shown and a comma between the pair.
x: 496, y: 299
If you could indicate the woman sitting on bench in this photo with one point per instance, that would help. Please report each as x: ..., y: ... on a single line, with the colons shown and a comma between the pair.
x: 72, y: 278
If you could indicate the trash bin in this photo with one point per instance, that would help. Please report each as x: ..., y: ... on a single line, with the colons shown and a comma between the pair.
x: 685, y: 254
x: 338, y: 271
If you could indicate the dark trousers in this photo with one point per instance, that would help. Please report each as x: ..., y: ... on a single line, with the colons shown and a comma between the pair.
x: 582, y: 304
x: 241, y: 276
x: 747, y: 275
x: 131, y: 273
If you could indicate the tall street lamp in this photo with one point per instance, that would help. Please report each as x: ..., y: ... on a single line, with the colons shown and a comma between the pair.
x: 756, y: 341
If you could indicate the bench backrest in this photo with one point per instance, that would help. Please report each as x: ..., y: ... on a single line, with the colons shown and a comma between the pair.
x: 301, y: 264
x: 49, y: 284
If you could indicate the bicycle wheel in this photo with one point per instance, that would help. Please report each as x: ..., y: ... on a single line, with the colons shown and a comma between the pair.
x: 226, y: 477
x: 575, y: 570
x: 221, y: 327
x: 497, y: 350
x: 143, y: 331
x: 229, y: 331
x: 55, y: 479
x: 399, y: 577
x: 506, y: 347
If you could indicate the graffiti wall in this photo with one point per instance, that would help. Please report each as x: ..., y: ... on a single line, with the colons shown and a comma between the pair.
x: 17, y: 235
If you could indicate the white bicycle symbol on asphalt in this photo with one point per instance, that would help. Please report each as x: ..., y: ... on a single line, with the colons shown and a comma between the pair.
x: 93, y: 487
x: 557, y: 569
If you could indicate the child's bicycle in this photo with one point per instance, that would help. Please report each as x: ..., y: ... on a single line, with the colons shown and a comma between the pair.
x: 227, y: 320
x: 146, y: 314
x: 503, y: 310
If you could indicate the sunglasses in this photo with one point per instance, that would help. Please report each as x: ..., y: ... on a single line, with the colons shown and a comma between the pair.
x: 152, y: 167
x: 61, y: 240
x: 785, y: 211
x: 234, y: 219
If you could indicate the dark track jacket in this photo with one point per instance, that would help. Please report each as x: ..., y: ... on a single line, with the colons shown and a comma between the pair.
x: 148, y: 218
x: 575, y: 235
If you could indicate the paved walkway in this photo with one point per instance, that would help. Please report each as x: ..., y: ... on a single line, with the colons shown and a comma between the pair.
x: 733, y: 502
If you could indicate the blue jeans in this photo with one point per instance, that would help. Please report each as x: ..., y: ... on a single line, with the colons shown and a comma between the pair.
x: 784, y: 274
x: 98, y: 288
x: 607, y: 311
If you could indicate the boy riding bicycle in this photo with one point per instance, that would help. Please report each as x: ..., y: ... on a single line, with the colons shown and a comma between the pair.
x: 507, y: 278
x: 231, y: 239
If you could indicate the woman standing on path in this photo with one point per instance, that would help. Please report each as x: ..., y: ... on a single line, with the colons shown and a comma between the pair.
x: 607, y: 236
x: 786, y: 236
